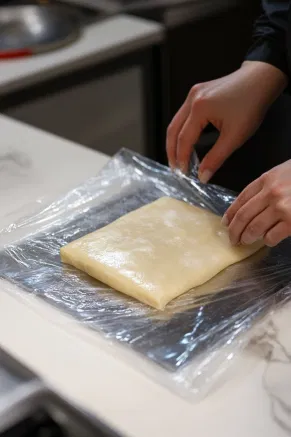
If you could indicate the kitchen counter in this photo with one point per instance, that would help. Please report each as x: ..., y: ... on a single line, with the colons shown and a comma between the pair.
x: 255, y: 401
x: 100, y: 42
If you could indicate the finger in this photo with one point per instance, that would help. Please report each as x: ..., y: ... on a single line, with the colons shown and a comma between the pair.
x: 174, y: 130
x: 277, y: 234
x: 222, y: 149
x: 245, y: 216
x: 187, y: 138
x: 247, y: 194
x: 259, y: 226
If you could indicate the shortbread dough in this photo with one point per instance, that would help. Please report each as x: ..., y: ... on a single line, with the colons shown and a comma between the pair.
x: 157, y: 252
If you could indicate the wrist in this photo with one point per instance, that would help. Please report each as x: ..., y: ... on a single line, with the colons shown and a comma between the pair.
x: 267, y: 79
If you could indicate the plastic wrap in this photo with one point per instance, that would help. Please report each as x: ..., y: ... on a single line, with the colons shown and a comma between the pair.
x: 194, y: 340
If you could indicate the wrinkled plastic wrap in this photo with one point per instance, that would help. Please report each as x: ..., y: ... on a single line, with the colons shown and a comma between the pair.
x: 193, y: 341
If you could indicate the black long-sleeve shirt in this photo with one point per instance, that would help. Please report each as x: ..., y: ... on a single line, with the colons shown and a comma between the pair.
x: 272, y: 36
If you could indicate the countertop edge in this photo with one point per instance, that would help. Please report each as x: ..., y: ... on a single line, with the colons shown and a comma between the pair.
x: 150, y: 37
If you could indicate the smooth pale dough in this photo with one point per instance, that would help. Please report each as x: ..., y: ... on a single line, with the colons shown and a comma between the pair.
x: 157, y: 252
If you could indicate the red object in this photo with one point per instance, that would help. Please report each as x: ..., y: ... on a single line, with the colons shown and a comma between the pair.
x: 10, y: 54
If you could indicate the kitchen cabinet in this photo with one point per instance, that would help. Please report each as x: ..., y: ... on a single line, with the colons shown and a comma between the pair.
x: 104, y: 113
x: 109, y: 100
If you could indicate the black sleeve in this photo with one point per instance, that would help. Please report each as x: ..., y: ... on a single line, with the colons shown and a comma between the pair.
x: 270, y: 35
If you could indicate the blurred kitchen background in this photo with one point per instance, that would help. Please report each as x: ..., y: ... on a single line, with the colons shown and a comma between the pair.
x: 111, y: 74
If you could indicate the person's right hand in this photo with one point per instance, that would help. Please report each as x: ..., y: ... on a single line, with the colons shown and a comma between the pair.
x: 235, y: 104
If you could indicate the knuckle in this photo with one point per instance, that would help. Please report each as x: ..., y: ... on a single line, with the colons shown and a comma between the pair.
x: 181, y: 138
x: 254, y: 229
x: 170, y: 130
x: 283, y: 210
x: 195, y: 88
x: 241, y: 199
x: 241, y: 216
x: 275, y: 192
x: 264, y: 179
x: 199, y: 100
x: 280, y: 208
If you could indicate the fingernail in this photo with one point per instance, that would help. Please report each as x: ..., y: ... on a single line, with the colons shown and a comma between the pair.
x: 205, y: 176
x: 225, y: 221
x: 184, y: 168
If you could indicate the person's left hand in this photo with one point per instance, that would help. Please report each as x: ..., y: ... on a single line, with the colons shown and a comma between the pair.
x: 263, y: 209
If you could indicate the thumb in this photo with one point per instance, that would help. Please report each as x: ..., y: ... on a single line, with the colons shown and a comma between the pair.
x: 226, y: 144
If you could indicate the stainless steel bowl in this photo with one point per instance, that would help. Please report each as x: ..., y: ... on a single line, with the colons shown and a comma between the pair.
x: 37, y: 28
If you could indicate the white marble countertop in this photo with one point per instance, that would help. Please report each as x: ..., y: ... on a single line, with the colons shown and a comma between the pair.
x: 99, y: 42
x: 255, y: 401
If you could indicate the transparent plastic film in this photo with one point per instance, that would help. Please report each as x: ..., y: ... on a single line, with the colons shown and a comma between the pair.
x: 193, y: 341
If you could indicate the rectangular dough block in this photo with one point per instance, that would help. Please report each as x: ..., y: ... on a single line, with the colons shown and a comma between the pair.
x: 157, y: 252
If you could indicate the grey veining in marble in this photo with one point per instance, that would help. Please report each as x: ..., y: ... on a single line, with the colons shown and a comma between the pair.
x: 272, y: 344
x: 15, y: 166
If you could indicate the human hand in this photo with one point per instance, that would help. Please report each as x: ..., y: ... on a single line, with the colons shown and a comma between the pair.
x: 235, y: 104
x: 263, y: 209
